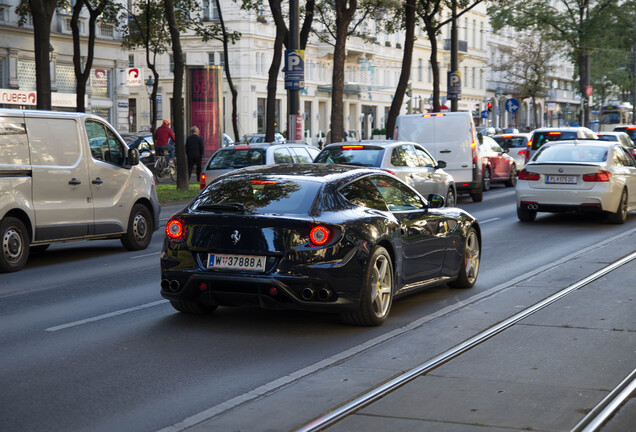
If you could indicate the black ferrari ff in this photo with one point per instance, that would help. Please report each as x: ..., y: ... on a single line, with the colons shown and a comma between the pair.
x: 316, y: 237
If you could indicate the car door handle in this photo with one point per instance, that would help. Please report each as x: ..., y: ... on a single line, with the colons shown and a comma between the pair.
x: 74, y: 182
x: 444, y: 151
x: 98, y: 181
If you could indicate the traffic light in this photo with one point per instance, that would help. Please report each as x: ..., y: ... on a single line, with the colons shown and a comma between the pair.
x: 489, y: 106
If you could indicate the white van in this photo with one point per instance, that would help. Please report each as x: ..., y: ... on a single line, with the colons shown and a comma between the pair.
x: 449, y: 137
x: 66, y: 177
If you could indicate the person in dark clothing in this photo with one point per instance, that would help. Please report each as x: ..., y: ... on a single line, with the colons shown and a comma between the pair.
x: 194, y: 151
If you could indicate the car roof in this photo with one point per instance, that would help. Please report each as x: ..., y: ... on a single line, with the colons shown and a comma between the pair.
x: 513, y: 135
x: 562, y: 128
x: 581, y: 141
x: 370, y: 143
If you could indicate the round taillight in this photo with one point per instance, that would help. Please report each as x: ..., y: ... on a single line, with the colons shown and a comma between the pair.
x: 175, y: 230
x: 319, y: 235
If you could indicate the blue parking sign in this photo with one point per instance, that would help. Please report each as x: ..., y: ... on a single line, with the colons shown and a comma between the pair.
x: 294, y: 69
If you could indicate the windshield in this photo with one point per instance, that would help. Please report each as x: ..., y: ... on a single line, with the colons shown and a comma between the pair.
x: 365, y: 156
x: 541, y: 138
x: 572, y: 153
x: 508, y: 142
x: 237, y: 158
x: 255, y: 193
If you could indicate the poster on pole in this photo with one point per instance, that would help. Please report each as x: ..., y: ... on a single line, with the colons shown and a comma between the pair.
x: 204, y: 105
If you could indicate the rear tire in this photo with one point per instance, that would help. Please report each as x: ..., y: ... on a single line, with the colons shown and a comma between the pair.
x: 450, y: 198
x: 193, y: 308
x: 526, y: 215
x: 478, y: 196
x: 470, y: 262
x: 140, y: 229
x: 486, y: 180
x: 14, y: 245
x: 377, y: 291
x: 621, y: 213
x: 512, y: 181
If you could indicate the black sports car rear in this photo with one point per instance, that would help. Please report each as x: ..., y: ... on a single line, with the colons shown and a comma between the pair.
x: 314, y: 237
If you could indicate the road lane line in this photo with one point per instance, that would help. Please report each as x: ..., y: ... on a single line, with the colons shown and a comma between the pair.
x: 108, y: 315
x: 279, y: 383
x: 488, y: 220
x: 146, y: 255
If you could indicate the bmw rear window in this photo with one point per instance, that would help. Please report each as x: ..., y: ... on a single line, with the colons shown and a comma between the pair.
x: 258, y: 194
x: 233, y: 157
x: 351, y: 155
x: 541, y: 138
x: 572, y: 153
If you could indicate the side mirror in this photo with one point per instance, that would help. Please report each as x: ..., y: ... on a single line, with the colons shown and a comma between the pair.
x: 440, y: 164
x: 435, y: 201
x: 133, y: 157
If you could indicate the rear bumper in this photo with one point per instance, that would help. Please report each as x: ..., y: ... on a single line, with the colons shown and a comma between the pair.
x: 561, y: 208
x: 468, y: 187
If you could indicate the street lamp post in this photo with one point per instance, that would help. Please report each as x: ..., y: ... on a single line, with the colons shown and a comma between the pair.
x: 150, y: 85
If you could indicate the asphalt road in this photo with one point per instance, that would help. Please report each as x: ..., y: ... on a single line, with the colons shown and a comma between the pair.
x: 87, y: 343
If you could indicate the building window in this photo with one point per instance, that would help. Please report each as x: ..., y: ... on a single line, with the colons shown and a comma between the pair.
x: 481, y: 35
x: 474, y: 77
x: 474, y: 38
x: 209, y: 12
x: 260, y: 114
x: 211, y: 58
x: 106, y: 30
x: 171, y: 60
x: 420, y: 69
x: 4, y: 13
x: 131, y: 60
x: 221, y: 59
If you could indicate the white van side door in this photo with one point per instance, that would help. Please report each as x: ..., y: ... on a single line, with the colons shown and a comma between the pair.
x: 453, y: 136
x: 110, y: 181
x: 61, y: 186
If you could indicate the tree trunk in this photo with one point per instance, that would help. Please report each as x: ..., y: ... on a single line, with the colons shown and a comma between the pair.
x: 228, y: 75
x: 407, y: 58
x: 274, y: 68
x: 183, y: 182
x: 42, y: 14
x: 344, y: 15
x: 435, y: 73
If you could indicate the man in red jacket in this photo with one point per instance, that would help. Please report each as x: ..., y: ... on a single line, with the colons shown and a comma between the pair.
x: 163, y: 135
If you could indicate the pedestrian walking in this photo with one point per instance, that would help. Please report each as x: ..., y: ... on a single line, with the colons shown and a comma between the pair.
x: 163, y: 135
x: 194, y: 151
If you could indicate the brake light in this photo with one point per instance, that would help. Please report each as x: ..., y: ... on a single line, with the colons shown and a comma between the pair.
x: 599, y: 176
x: 319, y: 235
x: 631, y: 127
x: 522, y: 152
x: 528, y: 148
x: 528, y: 175
x: 433, y: 115
x: 473, y: 147
x: 202, y: 181
x: 262, y: 181
x: 554, y: 133
x: 175, y: 230
x: 240, y: 147
x: 506, y: 136
x: 352, y: 147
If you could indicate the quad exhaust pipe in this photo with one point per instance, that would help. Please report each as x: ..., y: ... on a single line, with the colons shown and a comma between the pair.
x: 170, y: 285
x: 533, y: 206
x: 322, y: 294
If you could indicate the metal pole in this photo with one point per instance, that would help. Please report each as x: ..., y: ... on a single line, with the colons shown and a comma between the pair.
x: 454, y: 50
x: 293, y: 96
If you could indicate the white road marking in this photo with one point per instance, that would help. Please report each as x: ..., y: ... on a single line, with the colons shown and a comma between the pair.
x: 488, y: 220
x: 146, y: 255
x: 108, y: 315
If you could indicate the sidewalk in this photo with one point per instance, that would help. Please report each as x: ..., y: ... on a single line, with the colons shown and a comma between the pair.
x: 543, y: 373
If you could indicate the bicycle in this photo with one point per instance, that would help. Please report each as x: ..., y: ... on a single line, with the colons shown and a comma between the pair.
x: 165, y: 167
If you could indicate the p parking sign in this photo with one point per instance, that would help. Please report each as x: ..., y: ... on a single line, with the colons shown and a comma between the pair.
x: 294, y: 69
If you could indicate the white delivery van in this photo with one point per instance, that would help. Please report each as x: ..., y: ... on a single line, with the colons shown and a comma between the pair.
x: 66, y: 177
x: 451, y: 138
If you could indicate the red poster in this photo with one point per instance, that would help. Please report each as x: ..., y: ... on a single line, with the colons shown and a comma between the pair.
x: 205, y: 106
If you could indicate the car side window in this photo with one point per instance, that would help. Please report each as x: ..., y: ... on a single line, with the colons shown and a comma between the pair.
x: 300, y: 155
x: 397, y: 195
x: 282, y: 155
x: 426, y: 160
x: 363, y: 193
x: 625, y: 157
x: 398, y: 157
x: 104, y: 144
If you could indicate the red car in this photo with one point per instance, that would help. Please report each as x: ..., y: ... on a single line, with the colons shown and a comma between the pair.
x: 497, y: 165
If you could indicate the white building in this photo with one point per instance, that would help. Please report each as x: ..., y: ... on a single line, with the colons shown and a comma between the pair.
x: 107, y: 93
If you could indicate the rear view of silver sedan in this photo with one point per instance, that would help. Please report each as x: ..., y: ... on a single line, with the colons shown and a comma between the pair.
x: 585, y: 176
x: 410, y: 162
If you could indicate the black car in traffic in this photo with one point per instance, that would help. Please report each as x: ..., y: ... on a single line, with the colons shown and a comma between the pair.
x: 316, y: 237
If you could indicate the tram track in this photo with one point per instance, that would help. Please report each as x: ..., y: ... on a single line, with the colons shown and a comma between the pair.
x: 592, y: 422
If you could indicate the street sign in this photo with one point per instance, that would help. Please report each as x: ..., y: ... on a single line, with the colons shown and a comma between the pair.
x: 294, y: 69
x: 484, y: 114
x: 454, y: 85
x: 512, y: 105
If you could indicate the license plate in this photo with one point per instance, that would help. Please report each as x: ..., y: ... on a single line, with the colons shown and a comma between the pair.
x: 236, y: 262
x: 561, y: 179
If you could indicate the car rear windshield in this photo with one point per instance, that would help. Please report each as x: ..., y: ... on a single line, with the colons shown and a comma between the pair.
x: 572, y: 153
x: 541, y: 138
x: 237, y: 158
x: 508, y: 142
x: 259, y: 194
x: 351, y: 155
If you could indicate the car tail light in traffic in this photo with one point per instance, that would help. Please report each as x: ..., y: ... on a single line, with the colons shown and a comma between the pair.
x: 554, y: 133
x: 202, y: 181
x: 528, y: 148
x: 523, y: 152
x: 175, y: 229
x: 506, y: 137
x: 599, y: 176
x: 473, y: 147
x: 527, y: 175
x: 352, y: 147
x: 240, y: 147
x: 319, y: 235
